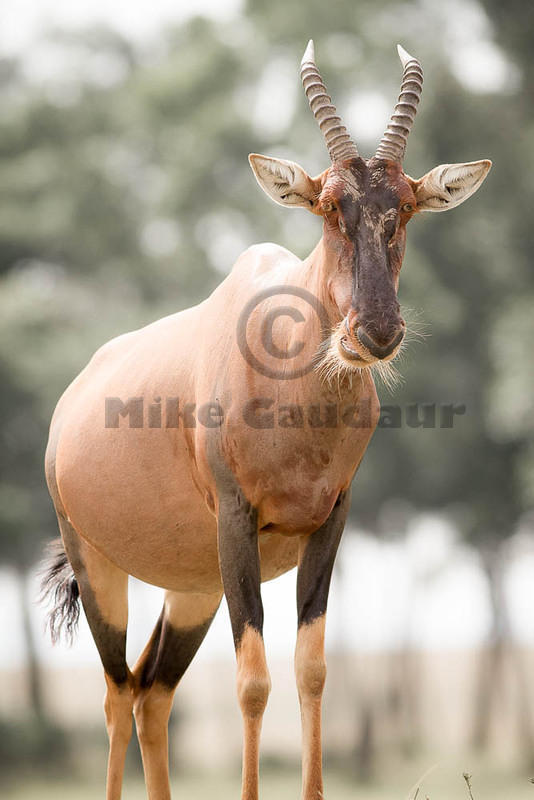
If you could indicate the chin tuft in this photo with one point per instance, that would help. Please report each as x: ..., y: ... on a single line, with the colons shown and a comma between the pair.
x: 338, y: 370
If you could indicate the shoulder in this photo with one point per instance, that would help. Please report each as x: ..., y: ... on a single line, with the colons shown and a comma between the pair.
x: 260, y: 258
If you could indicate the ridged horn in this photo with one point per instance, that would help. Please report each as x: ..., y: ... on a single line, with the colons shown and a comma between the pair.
x: 394, y: 140
x: 340, y: 145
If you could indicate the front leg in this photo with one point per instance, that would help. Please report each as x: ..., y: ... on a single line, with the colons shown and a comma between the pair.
x: 317, y: 553
x: 240, y: 569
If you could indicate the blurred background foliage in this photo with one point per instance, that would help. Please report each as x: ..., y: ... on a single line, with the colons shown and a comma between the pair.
x: 126, y: 194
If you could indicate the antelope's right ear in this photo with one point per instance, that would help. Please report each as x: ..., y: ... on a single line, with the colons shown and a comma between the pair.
x: 285, y: 182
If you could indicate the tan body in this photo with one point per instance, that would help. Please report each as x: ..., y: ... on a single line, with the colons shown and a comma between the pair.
x: 145, y: 498
x: 146, y: 501
x: 275, y: 369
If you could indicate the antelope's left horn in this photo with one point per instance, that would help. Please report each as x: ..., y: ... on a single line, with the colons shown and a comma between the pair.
x: 394, y: 140
x: 340, y: 145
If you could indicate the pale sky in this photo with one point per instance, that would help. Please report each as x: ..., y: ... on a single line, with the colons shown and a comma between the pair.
x: 22, y: 20
x: 460, y: 27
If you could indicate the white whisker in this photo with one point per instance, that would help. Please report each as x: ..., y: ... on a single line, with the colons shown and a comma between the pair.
x: 388, y: 374
x: 337, y: 372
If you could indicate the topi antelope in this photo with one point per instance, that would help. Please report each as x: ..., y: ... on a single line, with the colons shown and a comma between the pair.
x: 240, y: 467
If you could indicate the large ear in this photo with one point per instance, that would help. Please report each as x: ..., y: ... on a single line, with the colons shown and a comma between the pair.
x: 449, y: 185
x: 284, y: 181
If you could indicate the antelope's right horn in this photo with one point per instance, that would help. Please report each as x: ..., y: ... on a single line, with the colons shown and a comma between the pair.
x: 340, y: 145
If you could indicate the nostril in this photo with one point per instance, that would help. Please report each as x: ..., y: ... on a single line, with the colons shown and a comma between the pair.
x: 380, y: 350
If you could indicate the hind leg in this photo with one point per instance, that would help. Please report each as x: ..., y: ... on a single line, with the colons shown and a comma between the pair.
x: 104, y: 594
x: 180, y: 630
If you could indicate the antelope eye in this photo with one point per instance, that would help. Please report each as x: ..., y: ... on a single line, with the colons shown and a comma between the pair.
x: 407, y: 208
x: 328, y: 207
x: 342, y: 226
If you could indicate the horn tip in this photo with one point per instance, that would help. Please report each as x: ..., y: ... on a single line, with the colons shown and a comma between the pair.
x: 404, y: 56
x: 309, y: 53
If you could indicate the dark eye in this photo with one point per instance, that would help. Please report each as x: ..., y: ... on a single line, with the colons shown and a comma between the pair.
x: 328, y: 207
x: 407, y: 208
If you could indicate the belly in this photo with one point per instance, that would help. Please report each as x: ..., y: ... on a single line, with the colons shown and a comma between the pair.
x: 134, y: 495
x: 186, y: 559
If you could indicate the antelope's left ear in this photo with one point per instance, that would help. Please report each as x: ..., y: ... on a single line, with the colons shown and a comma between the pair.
x: 285, y: 181
x: 449, y: 185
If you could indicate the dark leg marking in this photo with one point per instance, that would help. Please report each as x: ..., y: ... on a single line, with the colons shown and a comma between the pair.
x: 110, y: 640
x: 315, y: 568
x: 239, y: 557
x: 316, y: 561
x: 171, y: 652
x: 240, y: 562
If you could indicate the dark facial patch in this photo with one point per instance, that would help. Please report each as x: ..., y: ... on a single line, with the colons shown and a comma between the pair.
x: 366, y: 231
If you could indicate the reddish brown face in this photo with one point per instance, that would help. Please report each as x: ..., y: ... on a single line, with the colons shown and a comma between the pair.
x: 366, y: 206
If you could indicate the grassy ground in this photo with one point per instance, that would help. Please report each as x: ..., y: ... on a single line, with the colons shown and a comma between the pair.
x: 445, y: 782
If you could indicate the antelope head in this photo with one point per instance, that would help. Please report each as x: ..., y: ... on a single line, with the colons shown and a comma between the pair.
x: 366, y: 205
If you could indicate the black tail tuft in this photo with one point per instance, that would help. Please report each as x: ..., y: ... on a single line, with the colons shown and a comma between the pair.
x: 59, y: 586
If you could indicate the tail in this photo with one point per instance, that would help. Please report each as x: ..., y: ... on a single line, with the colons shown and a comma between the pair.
x: 60, y: 587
